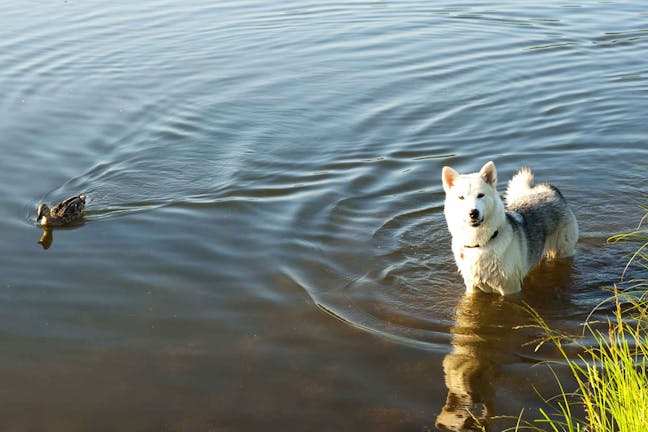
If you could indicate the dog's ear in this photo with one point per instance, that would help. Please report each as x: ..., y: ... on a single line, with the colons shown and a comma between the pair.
x: 489, y: 173
x: 448, y: 175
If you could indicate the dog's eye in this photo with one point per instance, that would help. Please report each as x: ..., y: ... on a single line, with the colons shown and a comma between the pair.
x: 461, y: 197
x: 481, y: 195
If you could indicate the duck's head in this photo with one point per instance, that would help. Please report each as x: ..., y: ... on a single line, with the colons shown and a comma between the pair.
x: 41, y: 213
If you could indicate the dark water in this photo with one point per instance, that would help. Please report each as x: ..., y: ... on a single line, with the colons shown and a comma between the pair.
x: 264, y: 246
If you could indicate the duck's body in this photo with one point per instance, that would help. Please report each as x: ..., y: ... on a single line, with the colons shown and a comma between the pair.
x: 63, y: 213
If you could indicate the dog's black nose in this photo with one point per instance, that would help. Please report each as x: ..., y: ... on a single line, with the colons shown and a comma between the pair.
x: 474, y: 214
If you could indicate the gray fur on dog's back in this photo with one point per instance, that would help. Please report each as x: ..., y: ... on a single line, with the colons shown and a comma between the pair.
x: 537, y: 216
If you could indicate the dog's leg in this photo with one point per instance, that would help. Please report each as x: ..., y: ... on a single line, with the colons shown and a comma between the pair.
x: 470, y: 288
x: 506, y: 287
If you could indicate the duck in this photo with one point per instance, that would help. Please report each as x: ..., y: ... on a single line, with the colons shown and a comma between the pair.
x: 63, y: 213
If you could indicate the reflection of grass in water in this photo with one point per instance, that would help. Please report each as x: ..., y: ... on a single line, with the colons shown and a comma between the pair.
x: 610, y: 372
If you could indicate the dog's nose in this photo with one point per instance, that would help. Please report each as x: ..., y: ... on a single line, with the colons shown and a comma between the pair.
x: 474, y: 214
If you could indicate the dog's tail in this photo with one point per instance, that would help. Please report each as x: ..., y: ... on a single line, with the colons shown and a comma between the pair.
x: 519, y: 185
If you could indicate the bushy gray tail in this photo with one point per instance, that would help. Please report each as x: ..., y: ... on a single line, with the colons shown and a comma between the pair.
x: 520, y: 185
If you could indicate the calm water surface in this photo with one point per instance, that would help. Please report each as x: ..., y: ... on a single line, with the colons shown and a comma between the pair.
x: 264, y: 245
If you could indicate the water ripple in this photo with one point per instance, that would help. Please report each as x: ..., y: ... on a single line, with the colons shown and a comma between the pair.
x: 248, y: 161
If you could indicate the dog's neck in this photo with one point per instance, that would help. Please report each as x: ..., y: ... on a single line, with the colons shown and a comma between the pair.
x: 481, y: 236
x: 476, y: 245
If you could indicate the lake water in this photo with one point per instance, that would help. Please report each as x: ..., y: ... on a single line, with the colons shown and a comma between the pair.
x: 264, y: 245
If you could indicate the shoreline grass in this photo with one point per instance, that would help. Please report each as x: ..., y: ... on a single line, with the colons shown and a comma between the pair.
x: 610, y: 371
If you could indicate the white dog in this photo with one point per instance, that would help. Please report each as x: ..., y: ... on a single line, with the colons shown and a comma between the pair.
x: 494, y: 246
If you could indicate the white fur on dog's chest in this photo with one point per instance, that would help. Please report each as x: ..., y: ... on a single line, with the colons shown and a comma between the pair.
x: 481, y: 269
x: 494, y: 267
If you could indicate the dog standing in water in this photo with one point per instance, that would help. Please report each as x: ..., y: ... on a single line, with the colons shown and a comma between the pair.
x: 496, y: 246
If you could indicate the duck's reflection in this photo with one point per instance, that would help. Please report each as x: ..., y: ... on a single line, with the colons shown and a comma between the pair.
x: 46, y: 238
x: 482, y: 340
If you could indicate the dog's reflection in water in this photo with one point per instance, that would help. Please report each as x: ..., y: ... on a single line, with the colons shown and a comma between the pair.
x: 483, y: 339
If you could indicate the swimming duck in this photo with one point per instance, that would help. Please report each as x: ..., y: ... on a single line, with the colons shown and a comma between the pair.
x: 63, y: 213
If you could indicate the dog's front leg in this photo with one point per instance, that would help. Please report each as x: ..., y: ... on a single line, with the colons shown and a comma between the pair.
x: 470, y: 288
x: 511, y: 286
x: 472, y: 285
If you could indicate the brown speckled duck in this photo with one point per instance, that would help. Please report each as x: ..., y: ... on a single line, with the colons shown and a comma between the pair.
x: 63, y: 213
